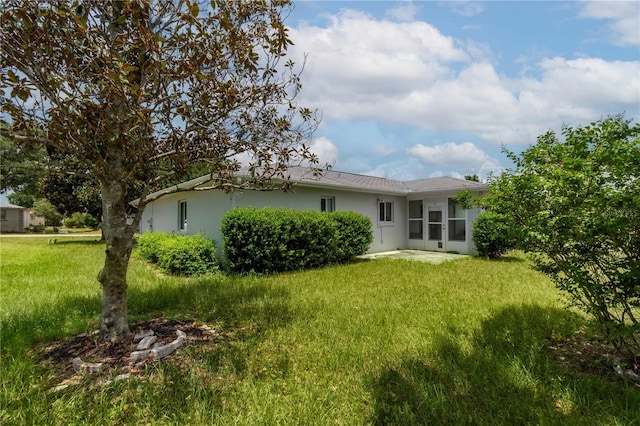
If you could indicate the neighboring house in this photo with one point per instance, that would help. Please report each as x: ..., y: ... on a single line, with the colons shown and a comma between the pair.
x: 35, y: 220
x: 419, y: 214
x: 13, y: 218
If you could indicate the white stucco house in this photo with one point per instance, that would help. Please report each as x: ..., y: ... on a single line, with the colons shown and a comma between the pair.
x: 15, y: 218
x: 418, y: 214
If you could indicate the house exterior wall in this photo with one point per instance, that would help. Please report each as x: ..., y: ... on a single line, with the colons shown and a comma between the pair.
x: 205, y: 210
x: 14, y: 220
x: 34, y: 220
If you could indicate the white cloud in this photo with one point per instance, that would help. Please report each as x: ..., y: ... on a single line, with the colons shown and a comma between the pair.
x: 360, y: 68
x: 326, y: 150
x: 465, y: 8
x: 452, y: 154
x: 588, y: 82
x: 357, y: 63
x: 465, y: 157
x: 624, y: 17
x: 405, y: 12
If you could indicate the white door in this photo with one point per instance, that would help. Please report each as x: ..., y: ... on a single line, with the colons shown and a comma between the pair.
x: 436, y: 228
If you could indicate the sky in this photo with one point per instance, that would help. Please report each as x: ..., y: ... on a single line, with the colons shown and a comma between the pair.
x: 416, y: 89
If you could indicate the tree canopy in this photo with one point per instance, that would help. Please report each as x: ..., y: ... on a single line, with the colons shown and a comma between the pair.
x: 21, y: 169
x: 574, y: 203
x: 136, y: 91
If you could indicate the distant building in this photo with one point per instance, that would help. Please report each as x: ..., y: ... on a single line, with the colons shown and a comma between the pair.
x: 15, y: 218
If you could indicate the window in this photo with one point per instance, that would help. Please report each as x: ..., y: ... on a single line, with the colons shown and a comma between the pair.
x: 416, y: 223
x: 386, y: 211
x: 182, y: 215
x: 457, y: 221
x: 3, y: 214
x: 327, y: 204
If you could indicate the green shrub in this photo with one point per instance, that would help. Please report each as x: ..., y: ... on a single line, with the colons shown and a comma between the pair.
x: 75, y: 221
x: 355, y: 234
x: 90, y: 221
x: 272, y: 240
x: 149, y: 245
x: 492, y: 235
x: 81, y: 220
x: 190, y: 255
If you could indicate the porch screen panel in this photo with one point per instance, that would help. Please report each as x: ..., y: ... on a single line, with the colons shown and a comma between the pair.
x: 416, y: 225
x: 457, y: 221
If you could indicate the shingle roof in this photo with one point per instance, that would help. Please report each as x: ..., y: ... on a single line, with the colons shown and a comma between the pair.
x: 346, y: 180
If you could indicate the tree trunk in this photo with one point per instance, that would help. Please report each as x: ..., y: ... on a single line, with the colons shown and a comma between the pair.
x: 113, y: 277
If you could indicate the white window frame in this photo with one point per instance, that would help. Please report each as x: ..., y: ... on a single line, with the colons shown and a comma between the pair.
x: 324, y: 203
x: 385, y: 212
x: 183, y: 217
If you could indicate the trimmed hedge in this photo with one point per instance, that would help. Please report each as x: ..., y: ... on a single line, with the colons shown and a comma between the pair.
x: 189, y: 255
x: 273, y: 240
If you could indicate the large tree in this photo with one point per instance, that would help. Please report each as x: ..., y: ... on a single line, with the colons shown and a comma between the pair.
x: 131, y: 88
x: 71, y: 190
x: 574, y: 204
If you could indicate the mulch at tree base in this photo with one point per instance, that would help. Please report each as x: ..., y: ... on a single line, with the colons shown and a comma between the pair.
x: 115, y: 357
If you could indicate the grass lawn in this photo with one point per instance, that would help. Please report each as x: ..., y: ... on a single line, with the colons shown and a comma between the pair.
x: 380, y: 342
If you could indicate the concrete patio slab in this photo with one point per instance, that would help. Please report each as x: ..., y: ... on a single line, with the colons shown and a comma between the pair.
x: 418, y: 255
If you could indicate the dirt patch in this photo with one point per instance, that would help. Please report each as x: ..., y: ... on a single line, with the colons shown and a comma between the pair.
x: 590, y: 357
x: 115, y: 357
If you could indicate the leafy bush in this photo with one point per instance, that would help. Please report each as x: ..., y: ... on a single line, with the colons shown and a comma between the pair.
x: 179, y: 254
x: 491, y: 235
x: 90, y: 221
x: 149, y: 245
x: 271, y: 240
x: 187, y: 255
x: 81, y: 220
x: 354, y: 235
x: 71, y: 222
x: 573, y: 202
